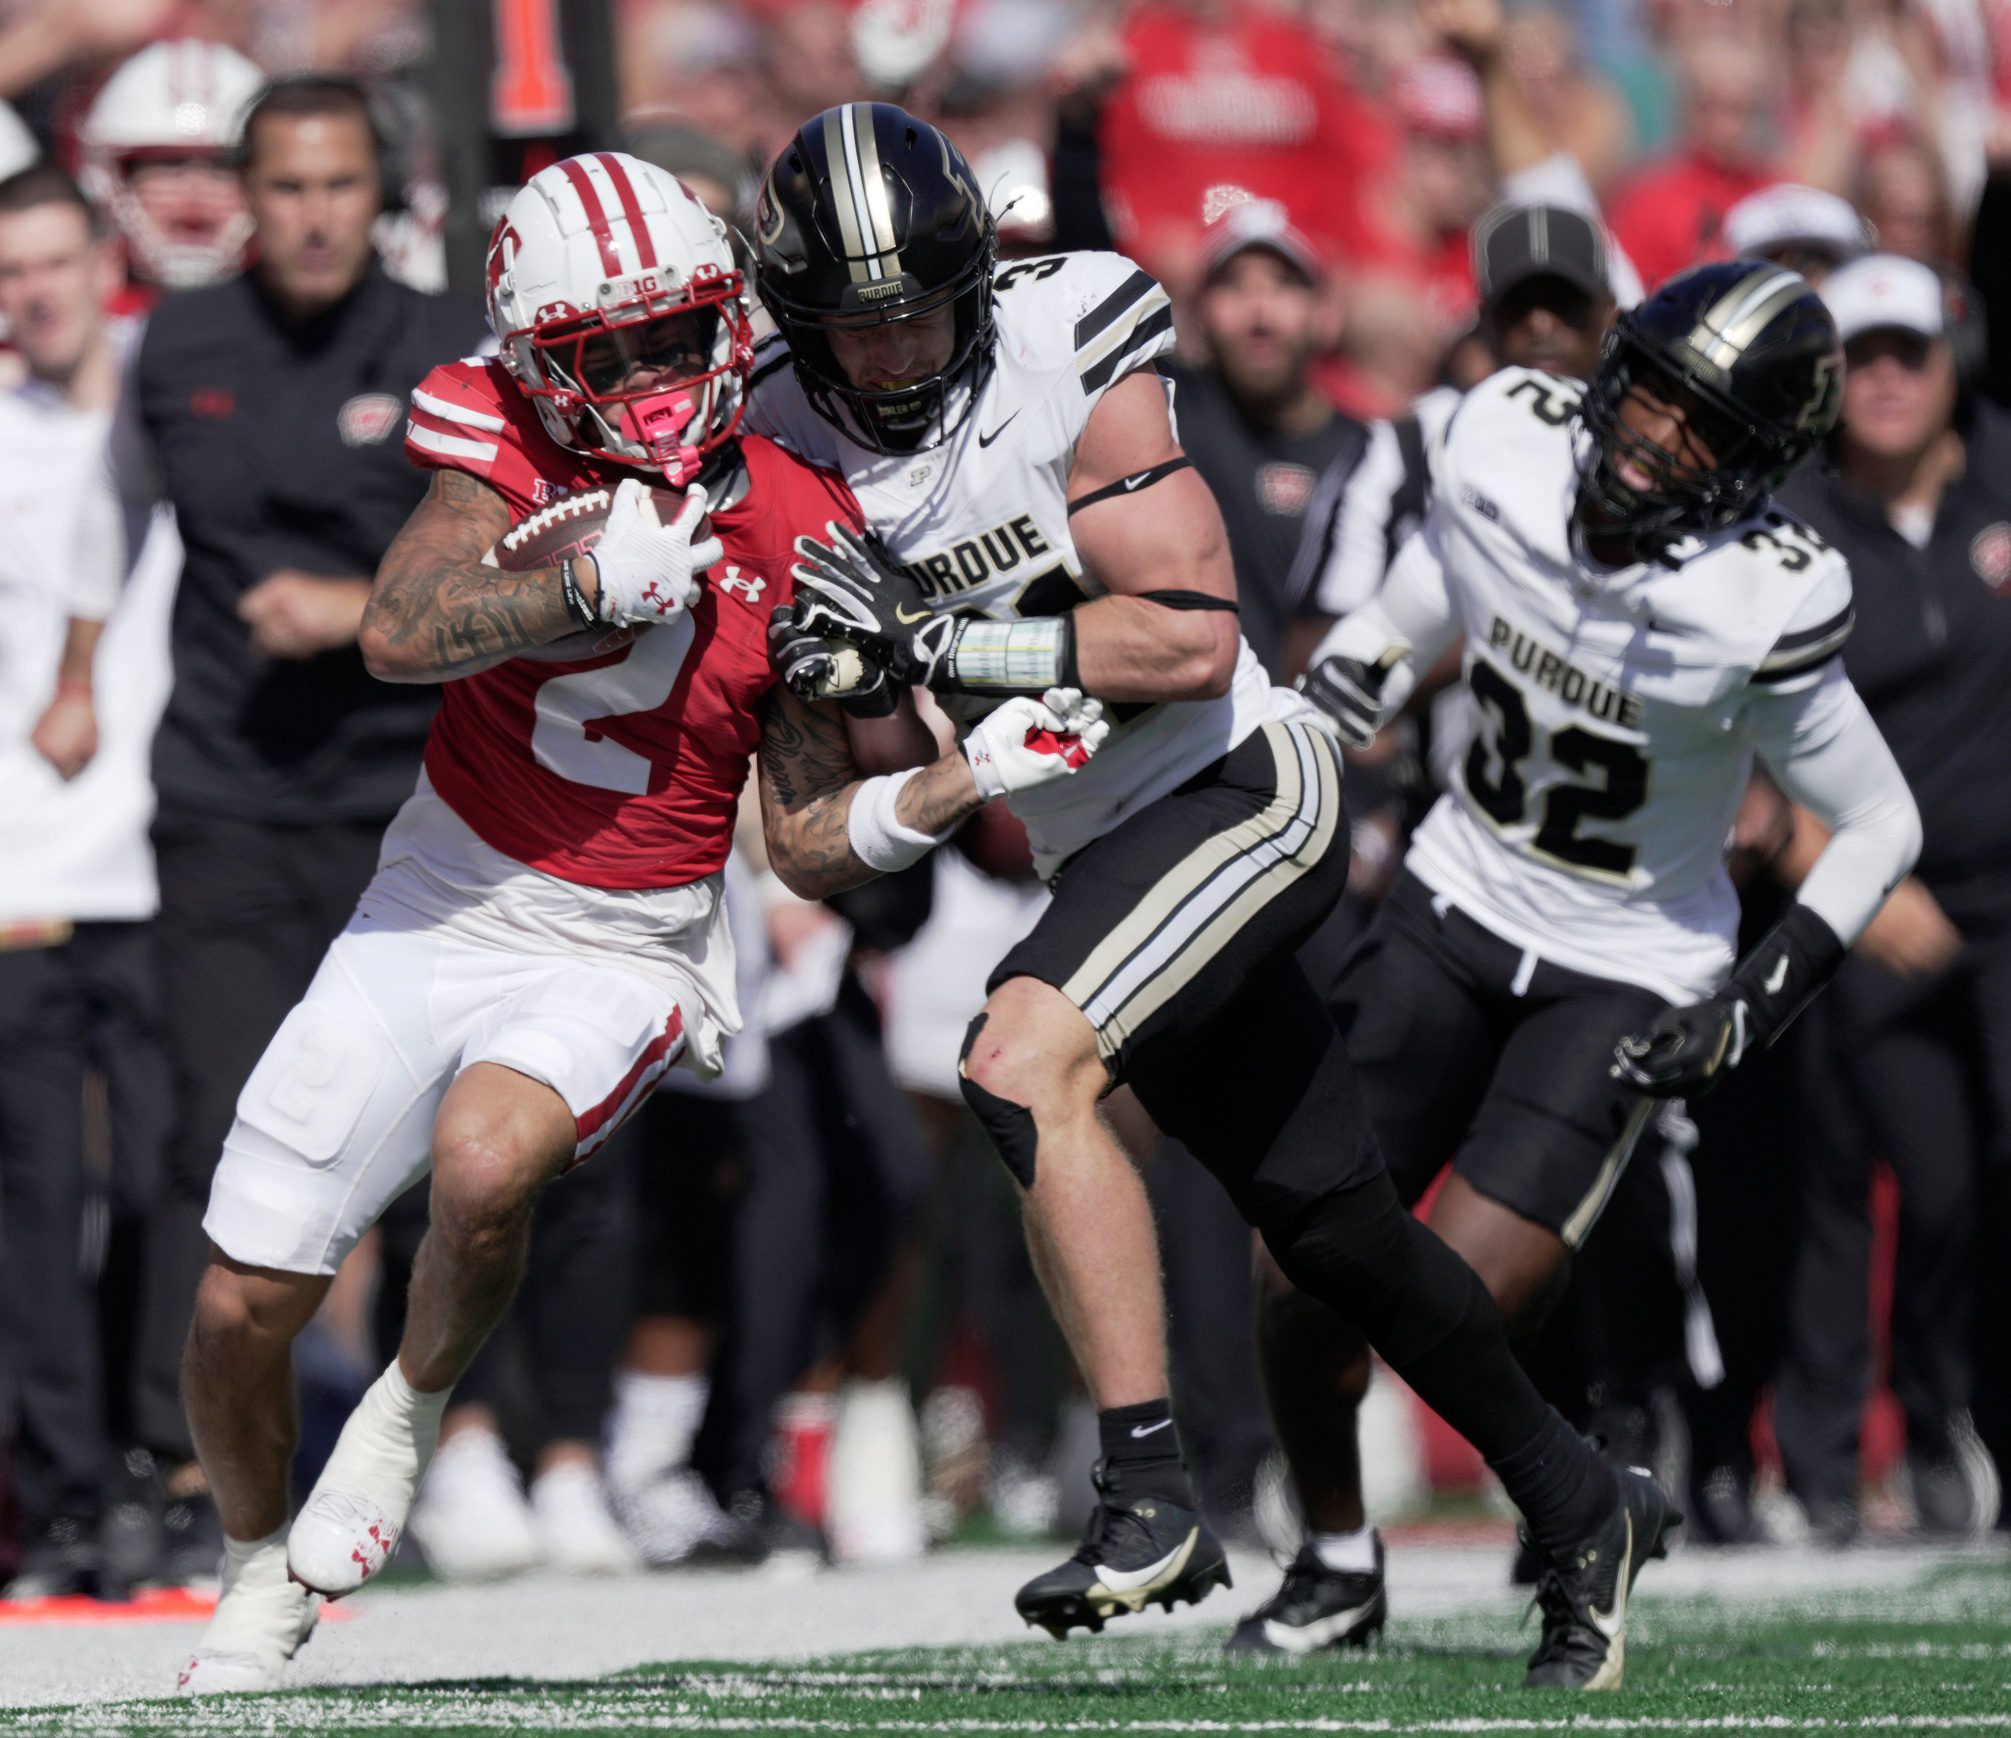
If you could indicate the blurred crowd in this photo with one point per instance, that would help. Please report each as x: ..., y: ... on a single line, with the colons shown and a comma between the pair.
x: 788, y: 1314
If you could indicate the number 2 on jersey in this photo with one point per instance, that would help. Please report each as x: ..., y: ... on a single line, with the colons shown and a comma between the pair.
x: 568, y: 737
x: 1494, y: 779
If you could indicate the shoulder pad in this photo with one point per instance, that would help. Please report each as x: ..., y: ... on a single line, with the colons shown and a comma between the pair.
x: 1098, y: 314
x: 1819, y: 613
x: 457, y: 418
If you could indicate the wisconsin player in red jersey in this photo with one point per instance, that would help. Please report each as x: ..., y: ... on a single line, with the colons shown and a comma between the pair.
x: 544, y: 937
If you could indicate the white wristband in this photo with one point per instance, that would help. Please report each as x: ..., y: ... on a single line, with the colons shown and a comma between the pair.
x: 879, y: 840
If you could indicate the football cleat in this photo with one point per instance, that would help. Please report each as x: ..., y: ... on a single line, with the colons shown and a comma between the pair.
x: 1135, y: 1551
x: 1316, y: 1608
x: 349, y: 1526
x: 259, y: 1624
x: 1584, y: 1598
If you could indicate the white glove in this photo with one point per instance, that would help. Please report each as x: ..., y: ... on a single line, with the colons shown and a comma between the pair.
x: 648, y: 571
x: 1027, y: 743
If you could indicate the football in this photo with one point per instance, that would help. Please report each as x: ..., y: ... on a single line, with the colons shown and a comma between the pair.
x: 565, y: 530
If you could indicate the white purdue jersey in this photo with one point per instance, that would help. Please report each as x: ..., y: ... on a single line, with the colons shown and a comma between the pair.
x: 1619, y: 712
x: 981, y: 519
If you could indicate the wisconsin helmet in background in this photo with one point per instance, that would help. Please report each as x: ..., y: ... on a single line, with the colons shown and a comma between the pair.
x: 600, y: 267
x: 1751, y: 354
x: 870, y: 217
x: 173, y: 106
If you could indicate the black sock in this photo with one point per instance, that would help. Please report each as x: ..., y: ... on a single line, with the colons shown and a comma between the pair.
x: 1141, y: 1451
x: 1564, y: 1487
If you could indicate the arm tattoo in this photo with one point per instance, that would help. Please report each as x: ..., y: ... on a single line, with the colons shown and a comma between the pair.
x: 807, y: 780
x: 438, y: 609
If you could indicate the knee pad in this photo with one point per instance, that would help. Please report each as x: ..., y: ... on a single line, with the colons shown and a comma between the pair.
x: 1009, y: 1125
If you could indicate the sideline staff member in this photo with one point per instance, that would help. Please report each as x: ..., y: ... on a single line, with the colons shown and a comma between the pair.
x: 1919, y: 500
x: 274, y: 402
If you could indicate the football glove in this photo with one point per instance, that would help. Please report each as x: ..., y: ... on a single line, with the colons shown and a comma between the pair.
x: 822, y: 667
x: 1351, y: 693
x: 1686, y: 1051
x: 848, y: 588
x: 1027, y: 743
x: 648, y: 571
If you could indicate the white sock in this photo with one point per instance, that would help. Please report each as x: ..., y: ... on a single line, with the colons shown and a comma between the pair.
x: 1346, y: 1553
x: 651, y: 1428
x: 396, y: 1396
x: 254, y: 1559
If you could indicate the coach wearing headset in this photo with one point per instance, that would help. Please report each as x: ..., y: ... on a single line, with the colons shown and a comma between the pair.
x: 273, y: 404
x: 1918, y: 496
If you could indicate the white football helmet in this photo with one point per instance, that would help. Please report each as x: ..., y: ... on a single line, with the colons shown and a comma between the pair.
x: 621, y: 314
x: 172, y: 102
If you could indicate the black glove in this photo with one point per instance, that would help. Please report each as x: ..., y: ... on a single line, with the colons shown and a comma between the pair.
x: 818, y: 667
x: 850, y: 589
x: 1686, y: 1051
x: 1351, y: 693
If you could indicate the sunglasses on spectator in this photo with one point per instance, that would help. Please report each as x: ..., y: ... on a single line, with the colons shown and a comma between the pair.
x: 1911, y: 350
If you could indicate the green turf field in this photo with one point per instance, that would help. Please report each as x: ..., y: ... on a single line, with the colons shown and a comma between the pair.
x: 1931, y: 1656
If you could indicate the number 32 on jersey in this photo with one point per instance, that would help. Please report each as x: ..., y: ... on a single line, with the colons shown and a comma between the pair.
x: 1600, y: 778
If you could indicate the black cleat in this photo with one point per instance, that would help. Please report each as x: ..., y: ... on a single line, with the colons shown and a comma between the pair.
x: 1136, y: 1551
x: 1584, y: 1599
x: 1316, y: 1608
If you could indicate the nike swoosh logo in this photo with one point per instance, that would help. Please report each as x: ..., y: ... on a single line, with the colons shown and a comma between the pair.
x: 1778, y: 976
x: 1137, y: 482
x: 1148, y: 1429
x: 1129, y: 1580
x: 1672, y: 628
x: 985, y: 440
x: 1611, y: 1623
x: 901, y: 614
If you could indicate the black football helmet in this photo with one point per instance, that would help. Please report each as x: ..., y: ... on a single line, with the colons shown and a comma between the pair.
x: 868, y: 217
x: 1752, y: 353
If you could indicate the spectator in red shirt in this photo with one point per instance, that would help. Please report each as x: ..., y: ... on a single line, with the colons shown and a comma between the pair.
x: 1221, y: 102
x: 1671, y: 214
x: 1410, y: 274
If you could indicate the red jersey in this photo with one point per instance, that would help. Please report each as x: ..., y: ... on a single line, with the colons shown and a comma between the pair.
x: 1672, y: 215
x: 621, y: 771
x: 1213, y: 110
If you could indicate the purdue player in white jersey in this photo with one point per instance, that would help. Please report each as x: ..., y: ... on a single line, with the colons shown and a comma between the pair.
x: 1035, y: 519
x: 1640, y: 623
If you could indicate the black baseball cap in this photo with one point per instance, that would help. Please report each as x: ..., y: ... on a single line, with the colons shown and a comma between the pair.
x: 1513, y: 243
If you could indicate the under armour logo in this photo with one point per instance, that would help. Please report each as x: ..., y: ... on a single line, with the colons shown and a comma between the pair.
x: 656, y: 597
x: 749, y: 585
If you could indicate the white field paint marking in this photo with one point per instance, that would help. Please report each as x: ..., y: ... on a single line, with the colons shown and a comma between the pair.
x: 275, y: 1715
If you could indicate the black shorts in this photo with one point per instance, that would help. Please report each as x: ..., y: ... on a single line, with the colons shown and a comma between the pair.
x: 1471, y: 1052
x: 1158, y: 925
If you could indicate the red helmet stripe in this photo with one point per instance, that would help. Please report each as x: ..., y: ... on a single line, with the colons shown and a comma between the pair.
x: 630, y: 207
x: 596, y: 215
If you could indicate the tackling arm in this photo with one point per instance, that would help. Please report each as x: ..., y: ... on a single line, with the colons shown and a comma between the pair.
x: 1163, y: 535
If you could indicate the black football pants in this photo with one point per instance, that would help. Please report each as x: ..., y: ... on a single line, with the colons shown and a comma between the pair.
x: 247, y: 911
